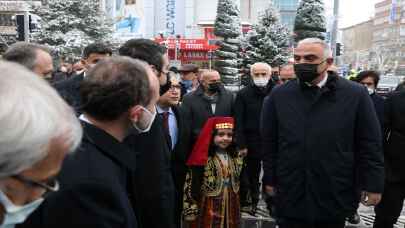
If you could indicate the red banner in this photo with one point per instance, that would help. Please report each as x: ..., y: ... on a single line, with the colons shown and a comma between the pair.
x: 187, y: 44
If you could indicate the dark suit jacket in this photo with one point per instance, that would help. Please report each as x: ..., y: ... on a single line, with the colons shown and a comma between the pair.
x: 179, y: 156
x: 153, y: 179
x: 394, y: 124
x: 198, y: 110
x: 95, y: 187
x: 69, y: 90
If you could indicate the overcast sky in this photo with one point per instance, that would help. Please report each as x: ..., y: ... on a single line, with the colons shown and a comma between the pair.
x: 353, y: 11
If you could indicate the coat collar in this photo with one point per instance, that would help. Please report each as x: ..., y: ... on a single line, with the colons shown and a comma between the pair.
x: 109, y: 146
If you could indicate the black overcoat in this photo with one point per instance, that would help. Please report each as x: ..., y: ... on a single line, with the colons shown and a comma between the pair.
x: 248, y: 107
x: 154, y: 185
x: 316, y: 141
x: 394, y: 145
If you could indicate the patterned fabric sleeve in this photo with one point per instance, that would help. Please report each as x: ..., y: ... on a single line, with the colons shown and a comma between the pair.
x: 238, y: 165
x: 190, y: 211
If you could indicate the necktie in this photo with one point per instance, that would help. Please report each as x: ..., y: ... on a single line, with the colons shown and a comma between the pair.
x: 165, y: 116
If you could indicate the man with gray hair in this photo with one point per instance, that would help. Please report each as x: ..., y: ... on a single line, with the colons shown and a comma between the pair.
x: 38, y: 130
x: 322, y: 144
x: 33, y: 56
x: 248, y: 106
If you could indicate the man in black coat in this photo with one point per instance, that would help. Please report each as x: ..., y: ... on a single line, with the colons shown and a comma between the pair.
x: 96, y: 188
x: 154, y: 186
x: 388, y: 211
x: 69, y: 88
x: 248, y: 107
x: 210, y: 99
x: 177, y: 134
x: 319, y: 132
x: 370, y: 80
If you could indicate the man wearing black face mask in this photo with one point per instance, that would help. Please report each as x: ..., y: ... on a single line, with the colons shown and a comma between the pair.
x: 154, y: 185
x: 322, y: 142
x: 210, y: 99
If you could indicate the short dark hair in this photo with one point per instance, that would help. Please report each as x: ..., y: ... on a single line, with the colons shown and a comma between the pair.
x: 96, y: 48
x: 368, y: 73
x: 146, y: 50
x: 113, y: 86
x: 24, y: 53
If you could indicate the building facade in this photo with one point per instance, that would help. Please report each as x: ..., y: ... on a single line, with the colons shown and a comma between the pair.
x: 389, y: 36
x: 8, y: 20
x: 288, y: 10
x: 186, y: 17
x: 358, y: 42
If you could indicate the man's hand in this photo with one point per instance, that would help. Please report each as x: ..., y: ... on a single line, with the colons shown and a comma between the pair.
x: 243, y: 152
x: 370, y: 199
x: 269, y: 190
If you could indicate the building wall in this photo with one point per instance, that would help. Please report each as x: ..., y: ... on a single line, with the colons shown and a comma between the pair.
x: 389, y: 33
x: 287, y: 10
x: 358, y: 42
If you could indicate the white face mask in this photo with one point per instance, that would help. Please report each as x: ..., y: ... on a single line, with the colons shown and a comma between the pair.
x: 14, y: 214
x: 261, y: 82
x: 371, y: 91
x: 145, y: 122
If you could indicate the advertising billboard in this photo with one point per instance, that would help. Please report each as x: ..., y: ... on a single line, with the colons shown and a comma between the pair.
x: 128, y: 17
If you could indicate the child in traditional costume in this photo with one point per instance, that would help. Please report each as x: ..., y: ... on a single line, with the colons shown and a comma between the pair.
x: 211, y: 196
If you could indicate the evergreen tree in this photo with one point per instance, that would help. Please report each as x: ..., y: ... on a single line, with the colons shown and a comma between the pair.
x: 310, y: 20
x: 267, y: 42
x: 70, y: 25
x: 228, y: 26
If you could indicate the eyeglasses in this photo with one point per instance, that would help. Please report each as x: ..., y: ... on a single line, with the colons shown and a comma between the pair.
x: 51, y: 185
x: 175, y: 87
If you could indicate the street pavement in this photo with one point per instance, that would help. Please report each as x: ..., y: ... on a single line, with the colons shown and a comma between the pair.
x: 263, y: 220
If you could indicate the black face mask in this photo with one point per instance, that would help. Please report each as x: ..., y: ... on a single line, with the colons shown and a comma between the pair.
x: 164, y: 88
x: 214, y: 87
x: 306, y: 72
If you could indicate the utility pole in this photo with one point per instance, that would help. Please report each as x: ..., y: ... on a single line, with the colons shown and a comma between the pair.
x: 335, y: 26
x: 26, y: 26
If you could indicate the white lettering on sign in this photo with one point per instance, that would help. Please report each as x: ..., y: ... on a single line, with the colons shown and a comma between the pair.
x: 171, y: 17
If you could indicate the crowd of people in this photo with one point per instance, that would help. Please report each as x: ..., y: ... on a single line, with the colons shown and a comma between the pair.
x: 125, y: 140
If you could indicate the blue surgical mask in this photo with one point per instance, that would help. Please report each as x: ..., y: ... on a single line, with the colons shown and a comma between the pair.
x: 187, y: 83
x: 14, y: 214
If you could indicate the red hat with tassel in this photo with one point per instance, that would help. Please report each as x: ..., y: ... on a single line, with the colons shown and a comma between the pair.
x: 199, y: 154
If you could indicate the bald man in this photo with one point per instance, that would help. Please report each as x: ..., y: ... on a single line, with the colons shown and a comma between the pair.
x: 248, y: 106
x: 208, y: 100
x: 287, y: 73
